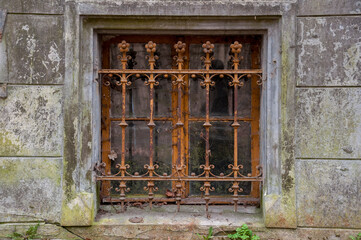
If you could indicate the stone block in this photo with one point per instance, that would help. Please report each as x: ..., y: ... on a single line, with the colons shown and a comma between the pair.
x: 329, y: 193
x: 329, y: 51
x: 31, y: 121
x: 329, y: 7
x: 79, y: 211
x: 328, y: 123
x: 30, y: 188
x: 35, y: 49
x: 33, y: 6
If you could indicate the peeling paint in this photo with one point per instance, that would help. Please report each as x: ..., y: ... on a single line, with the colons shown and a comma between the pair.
x: 324, y: 44
x: 352, y: 63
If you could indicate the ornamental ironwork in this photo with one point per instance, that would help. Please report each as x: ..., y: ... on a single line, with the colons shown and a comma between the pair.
x: 179, y: 176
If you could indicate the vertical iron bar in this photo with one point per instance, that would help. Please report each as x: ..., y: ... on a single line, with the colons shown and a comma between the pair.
x: 123, y: 48
x: 180, y: 49
x: 208, y: 49
x: 151, y: 48
x: 236, y: 50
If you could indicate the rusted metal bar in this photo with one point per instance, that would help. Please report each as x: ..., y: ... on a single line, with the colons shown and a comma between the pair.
x: 194, y: 119
x: 142, y: 119
x: 179, y: 81
x: 124, y: 49
x: 236, y: 50
x: 182, y: 71
x: 192, y: 200
x: 213, y: 119
x: 180, y: 177
x: 151, y: 49
x: 207, y: 82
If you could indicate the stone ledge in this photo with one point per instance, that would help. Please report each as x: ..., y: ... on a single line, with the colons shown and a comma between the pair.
x: 45, y: 230
x: 166, y: 232
x: 107, y: 228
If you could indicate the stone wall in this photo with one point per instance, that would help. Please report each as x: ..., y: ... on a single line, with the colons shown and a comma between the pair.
x: 328, y: 121
x: 44, y: 172
x: 31, y: 122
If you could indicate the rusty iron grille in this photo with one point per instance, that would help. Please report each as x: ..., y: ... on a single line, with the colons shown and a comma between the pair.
x: 119, y: 177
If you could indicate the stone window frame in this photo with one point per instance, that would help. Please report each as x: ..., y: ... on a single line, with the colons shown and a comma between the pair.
x: 82, y: 102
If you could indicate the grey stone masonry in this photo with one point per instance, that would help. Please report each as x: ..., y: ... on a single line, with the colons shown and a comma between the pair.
x: 328, y: 7
x: 328, y: 193
x: 328, y: 123
x: 329, y: 51
x: 35, y: 49
x: 33, y: 6
x: 31, y: 121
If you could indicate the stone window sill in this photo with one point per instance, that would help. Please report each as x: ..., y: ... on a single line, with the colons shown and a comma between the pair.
x: 163, y: 221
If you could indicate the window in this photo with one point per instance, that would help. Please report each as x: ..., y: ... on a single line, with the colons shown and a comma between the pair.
x: 180, y: 119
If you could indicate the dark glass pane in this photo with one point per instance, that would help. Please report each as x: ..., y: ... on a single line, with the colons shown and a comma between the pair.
x: 244, y: 99
x: 137, y: 151
x: 137, y: 94
x: 221, y: 99
x: 221, y: 95
x: 221, y: 146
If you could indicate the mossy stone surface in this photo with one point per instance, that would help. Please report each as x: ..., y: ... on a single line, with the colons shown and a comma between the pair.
x: 30, y: 189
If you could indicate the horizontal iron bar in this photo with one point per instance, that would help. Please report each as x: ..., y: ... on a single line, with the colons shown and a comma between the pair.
x: 219, y: 119
x: 186, y: 179
x: 142, y: 119
x: 190, y: 119
x: 190, y: 200
x: 185, y: 71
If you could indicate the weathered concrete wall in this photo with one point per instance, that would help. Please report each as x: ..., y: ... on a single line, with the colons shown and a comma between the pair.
x: 35, y: 49
x: 31, y: 116
x: 329, y: 193
x: 33, y: 6
x: 31, y: 121
x: 320, y: 90
x: 328, y: 7
x: 328, y: 123
x: 328, y: 120
x: 329, y: 51
x: 30, y: 188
